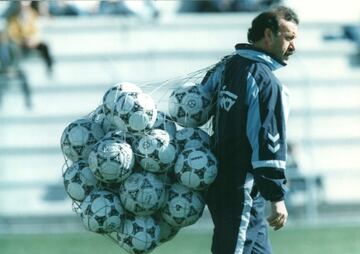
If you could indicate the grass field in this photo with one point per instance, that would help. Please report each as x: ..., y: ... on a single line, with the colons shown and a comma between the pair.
x: 329, y: 240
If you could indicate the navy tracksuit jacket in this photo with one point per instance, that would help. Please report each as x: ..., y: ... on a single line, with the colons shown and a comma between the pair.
x: 249, y: 124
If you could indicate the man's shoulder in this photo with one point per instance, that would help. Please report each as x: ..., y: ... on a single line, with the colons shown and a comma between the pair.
x: 263, y: 76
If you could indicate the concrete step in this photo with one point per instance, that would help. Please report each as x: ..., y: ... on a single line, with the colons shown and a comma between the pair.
x: 42, y: 168
x: 106, y: 35
x: 45, y: 131
x: 186, y: 21
x: 79, y: 100
x: 29, y: 178
x: 157, y: 67
x: 32, y: 201
x: 120, y: 40
x: 38, y: 147
x: 325, y: 130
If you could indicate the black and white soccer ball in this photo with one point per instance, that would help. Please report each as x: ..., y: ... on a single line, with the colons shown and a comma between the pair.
x: 155, y: 151
x: 101, y: 212
x: 192, y: 138
x: 112, y: 94
x: 190, y: 105
x: 79, y: 137
x: 167, y: 231
x: 139, y: 234
x: 196, y: 168
x: 143, y: 193
x: 79, y: 181
x: 99, y: 117
x: 120, y: 135
x: 165, y: 123
x: 183, y: 206
x: 111, y: 161
x: 134, y: 112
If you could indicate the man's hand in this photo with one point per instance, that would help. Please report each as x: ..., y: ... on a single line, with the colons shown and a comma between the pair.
x: 278, y: 216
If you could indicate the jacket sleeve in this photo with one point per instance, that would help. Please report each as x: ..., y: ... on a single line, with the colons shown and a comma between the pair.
x: 212, y: 79
x: 211, y: 83
x: 266, y: 132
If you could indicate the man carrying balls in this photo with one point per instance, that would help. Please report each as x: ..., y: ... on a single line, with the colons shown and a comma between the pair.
x: 249, y: 124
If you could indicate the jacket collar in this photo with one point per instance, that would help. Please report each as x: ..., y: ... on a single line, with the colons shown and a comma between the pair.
x: 256, y: 54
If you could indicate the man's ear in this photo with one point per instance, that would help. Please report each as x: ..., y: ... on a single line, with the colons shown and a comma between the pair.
x: 268, y: 36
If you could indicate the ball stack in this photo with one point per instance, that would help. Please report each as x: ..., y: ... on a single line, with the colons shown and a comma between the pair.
x: 135, y: 173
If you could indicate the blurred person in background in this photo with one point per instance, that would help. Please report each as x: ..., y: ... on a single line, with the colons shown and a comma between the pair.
x: 140, y: 8
x: 22, y: 29
x: 84, y: 7
x: 62, y: 8
x: 10, y: 70
x: 40, y: 7
x: 249, y: 140
x: 146, y: 9
x: 114, y: 7
x: 226, y: 5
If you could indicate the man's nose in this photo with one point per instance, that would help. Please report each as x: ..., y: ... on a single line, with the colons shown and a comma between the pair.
x: 292, y: 45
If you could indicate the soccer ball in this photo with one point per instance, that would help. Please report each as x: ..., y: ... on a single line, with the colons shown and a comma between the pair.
x: 111, y: 95
x: 121, y: 135
x: 101, y: 212
x: 155, y: 151
x: 192, y: 138
x: 134, y: 112
x: 139, y: 234
x: 163, y: 122
x: 111, y: 160
x: 190, y: 105
x: 183, y: 206
x: 167, y: 232
x: 79, y: 181
x: 79, y: 137
x: 196, y: 168
x: 99, y: 117
x: 142, y: 193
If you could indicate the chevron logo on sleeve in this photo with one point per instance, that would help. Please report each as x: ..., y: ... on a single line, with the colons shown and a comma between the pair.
x: 272, y: 145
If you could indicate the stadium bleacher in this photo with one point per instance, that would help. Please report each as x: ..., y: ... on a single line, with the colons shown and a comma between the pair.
x: 93, y: 53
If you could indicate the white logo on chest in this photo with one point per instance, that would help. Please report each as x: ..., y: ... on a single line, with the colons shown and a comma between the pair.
x: 227, y: 99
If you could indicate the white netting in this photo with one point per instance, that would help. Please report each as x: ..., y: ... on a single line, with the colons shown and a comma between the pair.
x: 150, y: 198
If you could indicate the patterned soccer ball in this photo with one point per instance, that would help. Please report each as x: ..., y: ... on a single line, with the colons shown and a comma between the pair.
x: 190, y: 105
x: 183, y: 207
x: 139, y: 234
x: 79, y: 181
x: 99, y: 117
x: 134, y: 112
x: 196, y: 168
x: 79, y: 137
x: 101, y: 212
x: 164, y: 122
x: 142, y: 193
x: 167, y: 232
x: 112, y: 94
x: 192, y: 138
x: 111, y: 160
x: 121, y: 135
x: 155, y: 151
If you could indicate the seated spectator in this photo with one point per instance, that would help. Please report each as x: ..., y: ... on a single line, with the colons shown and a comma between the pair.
x: 225, y: 5
x: 22, y: 29
x: 10, y: 69
x: 62, y: 8
x: 114, y: 7
x: 84, y: 7
x: 146, y: 9
x: 198, y: 6
x: 41, y: 7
